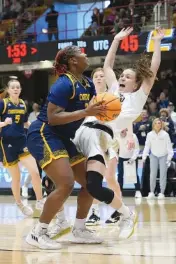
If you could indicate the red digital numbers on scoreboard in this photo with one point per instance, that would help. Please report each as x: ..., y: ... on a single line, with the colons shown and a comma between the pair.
x: 130, y: 44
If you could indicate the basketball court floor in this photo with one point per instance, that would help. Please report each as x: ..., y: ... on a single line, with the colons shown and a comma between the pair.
x: 154, y: 240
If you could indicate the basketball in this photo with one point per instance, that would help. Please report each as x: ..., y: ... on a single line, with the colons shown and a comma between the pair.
x: 113, y: 105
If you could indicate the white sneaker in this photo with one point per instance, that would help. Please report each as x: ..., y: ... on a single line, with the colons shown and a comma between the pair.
x: 25, y: 209
x: 39, y: 204
x: 85, y: 236
x: 25, y: 191
x: 127, y: 225
x: 161, y: 196
x: 151, y: 196
x: 41, y: 239
x: 59, y: 229
x: 138, y: 194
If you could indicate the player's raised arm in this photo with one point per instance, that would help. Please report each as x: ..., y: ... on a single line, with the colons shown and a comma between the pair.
x: 156, y: 60
x: 110, y: 58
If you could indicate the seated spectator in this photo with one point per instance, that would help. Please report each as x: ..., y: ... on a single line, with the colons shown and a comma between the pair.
x: 171, y: 109
x: 6, y: 13
x: 33, y: 115
x: 168, y: 123
x: 163, y: 102
x: 161, y: 152
x: 142, y: 128
x: 15, y: 8
x: 153, y: 111
x: 174, y: 17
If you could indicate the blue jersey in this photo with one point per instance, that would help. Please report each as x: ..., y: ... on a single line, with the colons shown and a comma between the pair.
x: 70, y: 94
x: 19, y: 116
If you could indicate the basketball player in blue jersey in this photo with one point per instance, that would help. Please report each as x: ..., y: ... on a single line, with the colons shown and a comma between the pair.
x: 13, y: 145
x: 49, y: 142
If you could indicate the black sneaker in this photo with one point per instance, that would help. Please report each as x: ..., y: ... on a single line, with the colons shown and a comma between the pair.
x: 114, y: 218
x: 93, y: 219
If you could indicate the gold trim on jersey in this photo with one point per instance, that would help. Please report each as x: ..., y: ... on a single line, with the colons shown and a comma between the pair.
x: 77, y: 159
x: 24, y: 155
x: 73, y: 80
x: 47, y: 152
x: 16, y: 111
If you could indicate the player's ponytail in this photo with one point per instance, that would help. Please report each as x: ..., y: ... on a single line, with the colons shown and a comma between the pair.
x: 142, y: 69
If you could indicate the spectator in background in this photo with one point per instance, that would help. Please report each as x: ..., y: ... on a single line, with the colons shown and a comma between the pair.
x: 6, y: 13
x: 171, y: 109
x: 109, y: 21
x: 142, y: 128
x: 153, y: 111
x: 51, y: 19
x: 174, y: 17
x: 159, y: 144
x: 33, y: 115
x: 163, y: 102
x: 15, y: 8
x: 96, y: 21
x: 130, y: 156
x: 168, y: 123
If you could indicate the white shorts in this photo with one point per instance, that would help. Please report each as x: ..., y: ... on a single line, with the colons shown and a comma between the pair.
x: 91, y: 142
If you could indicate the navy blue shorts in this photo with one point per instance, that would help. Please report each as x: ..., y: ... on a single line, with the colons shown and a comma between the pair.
x: 44, y: 145
x: 12, y: 151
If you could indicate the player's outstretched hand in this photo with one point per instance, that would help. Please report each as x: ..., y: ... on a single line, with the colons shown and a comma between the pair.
x: 159, y: 34
x: 123, y: 33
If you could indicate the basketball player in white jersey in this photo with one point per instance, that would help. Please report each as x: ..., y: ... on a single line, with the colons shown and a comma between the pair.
x: 94, y: 139
x: 133, y: 87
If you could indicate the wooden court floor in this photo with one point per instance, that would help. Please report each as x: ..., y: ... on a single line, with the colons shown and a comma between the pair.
x: 154, y: 240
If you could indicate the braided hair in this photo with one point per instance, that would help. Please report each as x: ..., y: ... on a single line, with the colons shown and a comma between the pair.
x: 61, y: 64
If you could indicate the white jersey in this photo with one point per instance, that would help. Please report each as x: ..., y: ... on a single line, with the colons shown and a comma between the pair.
x: 132, y: 106
x: 90, y: 142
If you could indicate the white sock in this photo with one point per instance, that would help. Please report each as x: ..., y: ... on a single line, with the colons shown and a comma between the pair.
x: 60, y: 216
x: 80, y: 223
x: 124, y: 210
x: 41, y: 226
x: 95, y: 207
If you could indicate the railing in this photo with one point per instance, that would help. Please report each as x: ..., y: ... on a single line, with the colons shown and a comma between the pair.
x: 142, y: 17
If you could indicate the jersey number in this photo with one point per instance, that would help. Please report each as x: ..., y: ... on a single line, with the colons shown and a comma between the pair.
x: 17, y: 119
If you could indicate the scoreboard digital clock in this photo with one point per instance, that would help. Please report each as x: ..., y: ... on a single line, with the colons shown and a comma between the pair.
x: 17, y: 52
x: 92, y: 46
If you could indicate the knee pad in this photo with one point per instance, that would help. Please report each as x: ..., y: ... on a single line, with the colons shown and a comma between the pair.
x: 96, y: 189
x: 48, y: 185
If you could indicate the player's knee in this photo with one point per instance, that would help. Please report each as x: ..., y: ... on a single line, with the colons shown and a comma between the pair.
x: 48, y: 185
x: 95, y: 188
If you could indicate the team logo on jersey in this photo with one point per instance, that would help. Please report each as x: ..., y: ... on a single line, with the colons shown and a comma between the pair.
x: 25, y: 149
x: 21, y: 105
x: 9, y: 104
x: 122, y: 98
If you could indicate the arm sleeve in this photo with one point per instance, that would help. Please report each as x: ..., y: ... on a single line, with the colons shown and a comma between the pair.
x: 60, y: 94
x: 136, y: 149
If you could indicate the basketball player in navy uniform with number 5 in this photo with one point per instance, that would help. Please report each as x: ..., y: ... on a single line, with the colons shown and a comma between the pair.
x: 13, y: 144
x: 49, y: 142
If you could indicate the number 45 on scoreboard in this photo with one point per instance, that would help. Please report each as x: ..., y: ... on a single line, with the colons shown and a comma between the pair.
x: 169, y: 34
